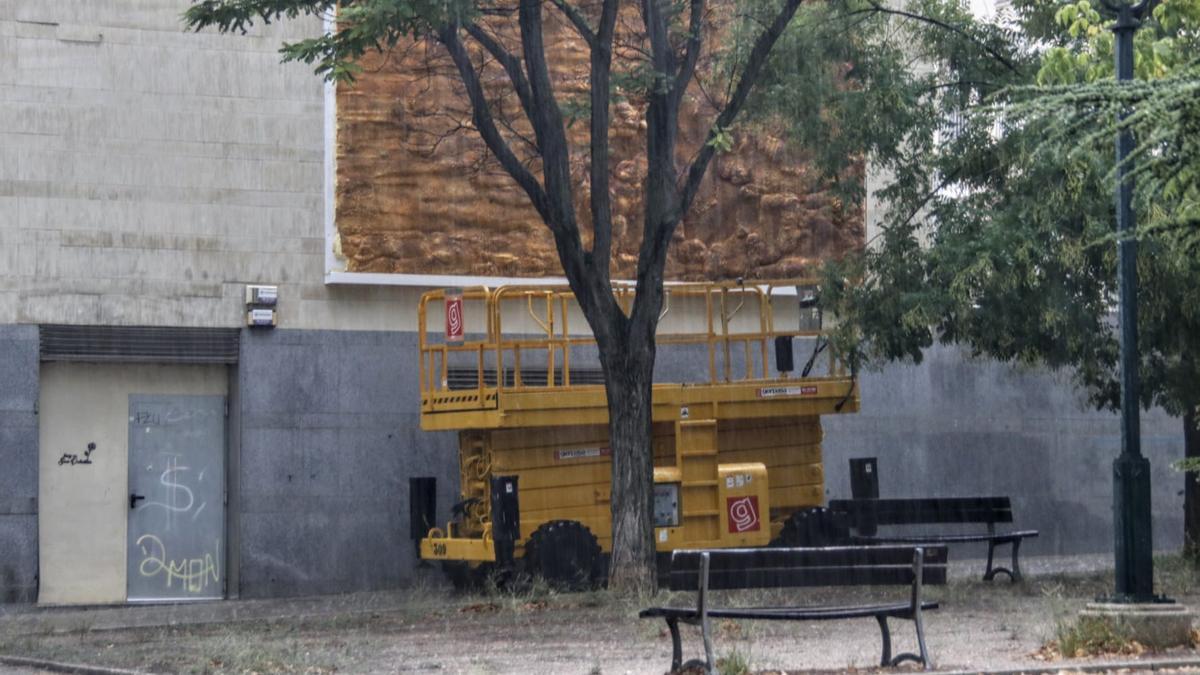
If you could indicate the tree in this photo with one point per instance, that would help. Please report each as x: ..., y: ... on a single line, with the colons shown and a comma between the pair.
x: 1082, y: 109
x: 512, y: 34
x: 1013, y: 254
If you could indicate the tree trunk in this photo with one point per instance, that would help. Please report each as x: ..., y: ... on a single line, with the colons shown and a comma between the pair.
x: 629, y: 369
x: 1191, y: 486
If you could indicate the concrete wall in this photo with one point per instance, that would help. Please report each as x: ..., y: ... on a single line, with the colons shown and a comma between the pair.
x: 957, y: 427
x: 330, y: 436
x: 147, y: 174
x: 19, y: 462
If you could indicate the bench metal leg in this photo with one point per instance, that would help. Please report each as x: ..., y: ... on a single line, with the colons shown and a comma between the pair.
x: 989, y: 573
x: 922, y: 657
x: 708, y: 650
x: 920, y: 622
x: 886, y: 660
x: 1014, y: 574
x: 1016, y: 564
x: 676, y: 645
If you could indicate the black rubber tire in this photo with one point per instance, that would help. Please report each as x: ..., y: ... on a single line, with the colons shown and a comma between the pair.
x: 813, y: 526
x: 566, y: 554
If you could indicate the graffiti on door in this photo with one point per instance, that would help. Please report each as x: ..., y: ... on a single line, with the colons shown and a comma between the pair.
x: 176, y: 485
x: 193, y: 574
x: 177, y: 496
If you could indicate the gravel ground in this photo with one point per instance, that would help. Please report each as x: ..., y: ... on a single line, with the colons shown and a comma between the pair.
x: 427, y: 629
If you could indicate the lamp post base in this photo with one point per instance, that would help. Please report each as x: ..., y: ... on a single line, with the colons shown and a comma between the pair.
x: 1155, y: 624
x: 1134, y: 545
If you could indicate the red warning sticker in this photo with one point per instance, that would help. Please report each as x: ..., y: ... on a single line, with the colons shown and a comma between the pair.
x: 743, y: 513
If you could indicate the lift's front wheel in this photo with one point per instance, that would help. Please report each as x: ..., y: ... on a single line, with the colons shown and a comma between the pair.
x: 566, y: 554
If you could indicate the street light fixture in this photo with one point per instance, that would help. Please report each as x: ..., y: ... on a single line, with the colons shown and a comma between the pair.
x: 1131, y: 471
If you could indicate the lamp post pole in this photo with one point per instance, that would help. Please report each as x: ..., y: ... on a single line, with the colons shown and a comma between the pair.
x: 1131, y: 471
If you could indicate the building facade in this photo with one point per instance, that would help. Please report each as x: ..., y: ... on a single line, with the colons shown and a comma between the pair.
x: 156, y: 448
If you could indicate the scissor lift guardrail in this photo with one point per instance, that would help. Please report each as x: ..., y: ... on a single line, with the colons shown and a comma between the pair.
x: 487, y: 381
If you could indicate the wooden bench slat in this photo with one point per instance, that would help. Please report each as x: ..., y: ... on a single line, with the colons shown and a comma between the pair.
x: 999, y: 538
x: 733, y: 579
x: 787, y: 613
x: 808, y: 557
x: 928, y: 510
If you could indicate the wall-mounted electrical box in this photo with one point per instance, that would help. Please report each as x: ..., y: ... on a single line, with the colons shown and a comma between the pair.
x: 262, y: 295
x: 260, y: 318
x: 260, y: 306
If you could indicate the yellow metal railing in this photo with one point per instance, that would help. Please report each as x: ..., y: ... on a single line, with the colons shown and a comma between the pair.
x: 726, y: 326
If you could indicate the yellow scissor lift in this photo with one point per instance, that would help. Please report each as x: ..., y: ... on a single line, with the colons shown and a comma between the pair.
x: 737, y: 444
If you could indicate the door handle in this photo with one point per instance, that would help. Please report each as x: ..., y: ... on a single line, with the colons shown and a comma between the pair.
x: 133, y: 500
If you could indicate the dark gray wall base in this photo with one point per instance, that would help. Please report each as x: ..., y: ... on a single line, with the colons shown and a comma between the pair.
x: 330, y: 435
x: 19, y: 459
x: 954, y: 426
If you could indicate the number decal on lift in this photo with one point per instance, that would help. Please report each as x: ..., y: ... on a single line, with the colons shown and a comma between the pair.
x: 439, y: 550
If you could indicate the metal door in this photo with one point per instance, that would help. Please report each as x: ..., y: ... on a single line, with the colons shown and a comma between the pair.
x: 176, y: 498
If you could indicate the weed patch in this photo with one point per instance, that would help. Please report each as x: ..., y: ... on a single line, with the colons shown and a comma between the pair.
x: 1090, y: 636
x: 734, y: 662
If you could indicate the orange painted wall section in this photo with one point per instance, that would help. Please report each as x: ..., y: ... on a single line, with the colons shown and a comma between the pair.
x: 417, y: 192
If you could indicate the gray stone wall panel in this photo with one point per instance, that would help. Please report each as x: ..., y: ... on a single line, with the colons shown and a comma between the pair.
x: 954, y: 426
x: 19, y: 457
x: 330, y: 437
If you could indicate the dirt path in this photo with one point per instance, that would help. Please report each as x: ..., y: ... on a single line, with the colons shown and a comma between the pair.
x: 980, y: 625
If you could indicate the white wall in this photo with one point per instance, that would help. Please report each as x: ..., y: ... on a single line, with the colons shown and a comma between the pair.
x: 147, y: 174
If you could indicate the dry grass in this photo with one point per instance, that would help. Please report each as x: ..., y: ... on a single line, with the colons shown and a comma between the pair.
x: 507, y: 630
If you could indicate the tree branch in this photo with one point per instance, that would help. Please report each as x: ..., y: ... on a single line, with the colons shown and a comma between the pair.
x: 876, y: 7
x: 482, y: 118
x: 601, y: 197
x: 692, y: 54
x: 754, y: 65
x: 510, y: 63
x: 556, y: 169
x: 661, y: 210
x: 578, y: 20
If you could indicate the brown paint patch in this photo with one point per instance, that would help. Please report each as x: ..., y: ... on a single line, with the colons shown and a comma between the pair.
x: 417, y: 192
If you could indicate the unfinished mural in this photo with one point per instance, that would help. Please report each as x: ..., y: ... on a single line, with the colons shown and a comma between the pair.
x: 417, y: 192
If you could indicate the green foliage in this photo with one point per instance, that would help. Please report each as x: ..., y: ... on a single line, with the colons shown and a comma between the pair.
x: 1165, y: 121
x: 721, y: 139
x: 999, y: 233
x: 842, y: 77
x: 362, y: 25
x: 1165, y: 45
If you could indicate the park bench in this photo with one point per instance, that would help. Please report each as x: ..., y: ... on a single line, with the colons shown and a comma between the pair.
x: 726, y: 569
x: 866, y: 514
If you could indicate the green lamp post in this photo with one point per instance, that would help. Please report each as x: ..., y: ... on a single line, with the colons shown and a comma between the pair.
x: 1131, y: 471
